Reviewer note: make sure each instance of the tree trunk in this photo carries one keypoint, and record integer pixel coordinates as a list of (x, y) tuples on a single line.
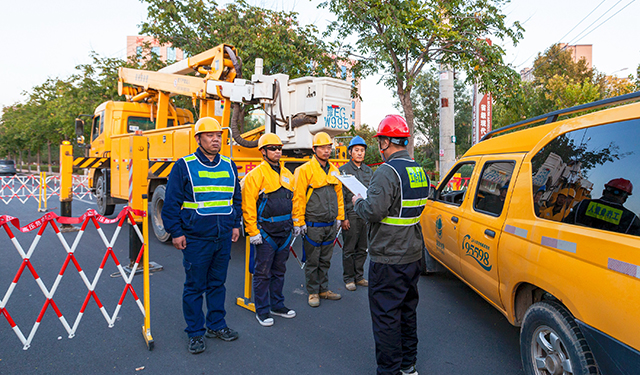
[(407, 106), (38, 161), (29, 162), (49, 156), (20, 160)]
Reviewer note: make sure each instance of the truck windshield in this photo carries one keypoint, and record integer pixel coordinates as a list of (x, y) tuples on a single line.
[(143, 123)]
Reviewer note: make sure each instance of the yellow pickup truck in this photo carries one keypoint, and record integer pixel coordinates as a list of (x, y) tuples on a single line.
[(543, 223)]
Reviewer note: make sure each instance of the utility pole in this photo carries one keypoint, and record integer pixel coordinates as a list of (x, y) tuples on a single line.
[(447, 125)]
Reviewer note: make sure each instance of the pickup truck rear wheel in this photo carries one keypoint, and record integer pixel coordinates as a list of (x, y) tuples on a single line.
[(104, 209), (157, 202), (551, 342)]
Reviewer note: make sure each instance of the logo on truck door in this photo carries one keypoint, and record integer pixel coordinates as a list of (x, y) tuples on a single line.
[(478, 251)]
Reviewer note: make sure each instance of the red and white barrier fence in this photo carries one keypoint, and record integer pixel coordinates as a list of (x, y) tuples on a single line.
[(23, 188), (52, 220)]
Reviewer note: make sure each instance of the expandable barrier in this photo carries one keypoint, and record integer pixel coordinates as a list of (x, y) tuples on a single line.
[(91, 216), (28, 187)]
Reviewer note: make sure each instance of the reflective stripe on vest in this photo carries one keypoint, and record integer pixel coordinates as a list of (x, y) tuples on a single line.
[(414, 189), (213, 186)]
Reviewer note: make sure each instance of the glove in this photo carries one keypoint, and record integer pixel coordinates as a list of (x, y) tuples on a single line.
[(303, 229), (296, 231), (255, 240), (338, 224)]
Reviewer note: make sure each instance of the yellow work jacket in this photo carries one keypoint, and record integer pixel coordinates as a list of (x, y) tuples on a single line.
[(310, 177), (262, 179), (547, 213)]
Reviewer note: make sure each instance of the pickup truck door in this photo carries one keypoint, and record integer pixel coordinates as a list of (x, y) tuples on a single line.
[(443, 212), (482, 223)]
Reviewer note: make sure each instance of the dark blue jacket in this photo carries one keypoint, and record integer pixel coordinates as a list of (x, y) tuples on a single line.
[(179, 222)]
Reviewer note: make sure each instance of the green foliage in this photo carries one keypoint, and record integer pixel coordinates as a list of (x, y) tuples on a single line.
[(557, 61), (400, 37), (49, 111), (275, 36), (559, 83)]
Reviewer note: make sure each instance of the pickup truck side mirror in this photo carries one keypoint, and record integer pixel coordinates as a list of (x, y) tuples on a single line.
[(432, 193)]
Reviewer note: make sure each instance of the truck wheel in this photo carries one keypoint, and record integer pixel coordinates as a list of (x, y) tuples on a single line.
[(104, 209), (551, 342), (157, 202)]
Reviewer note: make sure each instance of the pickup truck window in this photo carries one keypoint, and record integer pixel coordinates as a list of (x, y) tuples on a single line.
[(585, 177), (493, 187), (454, 188)]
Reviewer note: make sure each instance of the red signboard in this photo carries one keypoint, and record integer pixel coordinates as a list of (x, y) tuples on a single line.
[(484, 115)]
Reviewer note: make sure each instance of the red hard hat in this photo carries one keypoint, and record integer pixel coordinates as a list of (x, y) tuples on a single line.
[(620, 184), (393, 126)]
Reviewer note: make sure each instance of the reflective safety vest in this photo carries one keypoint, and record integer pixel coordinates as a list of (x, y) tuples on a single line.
[(414, 191), (213, 187)]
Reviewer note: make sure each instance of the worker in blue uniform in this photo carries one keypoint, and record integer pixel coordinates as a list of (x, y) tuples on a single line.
[(202, 211), (267, 193)]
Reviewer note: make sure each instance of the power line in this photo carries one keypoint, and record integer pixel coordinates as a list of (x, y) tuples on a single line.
[(596, 20), (606, 20), (585, 17), (560, 40), (585, 29)]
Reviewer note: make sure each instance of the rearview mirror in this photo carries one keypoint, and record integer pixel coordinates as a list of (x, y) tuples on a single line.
[(79, 127)]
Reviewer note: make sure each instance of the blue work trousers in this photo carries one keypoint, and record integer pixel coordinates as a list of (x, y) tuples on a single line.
[(393, 299), (268, 275), (205, 264)]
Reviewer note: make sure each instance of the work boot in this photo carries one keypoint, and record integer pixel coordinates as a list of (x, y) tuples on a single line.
[(314, 300), (284, 313), (197, 345), (330, 295), (265, 320), (409, 371), (362, 282), (350, 286), (225, 334)]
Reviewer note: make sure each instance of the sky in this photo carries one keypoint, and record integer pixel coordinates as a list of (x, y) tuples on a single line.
[(47, 39)]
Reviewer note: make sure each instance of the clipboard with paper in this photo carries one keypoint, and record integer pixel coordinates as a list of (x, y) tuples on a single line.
[(352, 183)]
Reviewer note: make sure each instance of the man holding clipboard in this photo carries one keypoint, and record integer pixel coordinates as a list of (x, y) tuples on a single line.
[(395, 200)]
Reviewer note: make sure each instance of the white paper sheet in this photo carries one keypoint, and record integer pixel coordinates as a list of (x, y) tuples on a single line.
[(352, 183)]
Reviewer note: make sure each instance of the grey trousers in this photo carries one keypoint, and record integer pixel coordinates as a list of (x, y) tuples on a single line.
[(318, 258), (354, 253)]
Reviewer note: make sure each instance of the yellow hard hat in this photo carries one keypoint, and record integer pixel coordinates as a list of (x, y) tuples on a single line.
[(207, 124), (572, 193), (322, 139), (564, 192), (269, 139)]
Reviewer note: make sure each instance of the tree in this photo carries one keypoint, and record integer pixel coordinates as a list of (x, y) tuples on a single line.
[(558, 60), (400, 37), (560, 82), (275, 36)]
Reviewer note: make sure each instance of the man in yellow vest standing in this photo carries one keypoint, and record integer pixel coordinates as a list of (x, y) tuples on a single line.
[(202, 211), (267, 193), (318, 211), (395, 200)]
